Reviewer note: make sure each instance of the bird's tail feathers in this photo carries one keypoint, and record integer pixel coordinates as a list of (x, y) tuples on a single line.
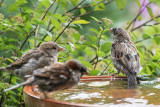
[(28, 82), (132, 80)]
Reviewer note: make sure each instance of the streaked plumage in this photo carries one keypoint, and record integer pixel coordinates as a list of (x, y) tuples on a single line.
[(125, 56), (45, 55), (58, 76)]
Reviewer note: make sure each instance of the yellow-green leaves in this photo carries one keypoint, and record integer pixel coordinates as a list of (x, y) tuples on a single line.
[(121, 4), (80, 22)]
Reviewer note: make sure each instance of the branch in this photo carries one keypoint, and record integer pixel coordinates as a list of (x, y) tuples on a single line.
[(64, 29), (139, 13), (45, 36), (101, 59), (144, 24), (106, 68), (74, 8), (98, 45), (91, 5), (147, 38), (43, 16), (1, 2)]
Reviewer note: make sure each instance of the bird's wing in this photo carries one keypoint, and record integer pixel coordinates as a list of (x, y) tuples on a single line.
[(55, 74), (126, 55), (34, 53)]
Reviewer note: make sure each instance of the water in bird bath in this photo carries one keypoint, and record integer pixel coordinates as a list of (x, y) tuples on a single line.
[(110, 93)]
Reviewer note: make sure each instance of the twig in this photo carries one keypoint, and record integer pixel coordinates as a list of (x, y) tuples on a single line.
[(147, 38), (45, 36), (101, 59), (91, 5), (2, 98), (74, 7), (64, 29), (143, 24), (98, 45), (139, 13), (43, 16), (53, 13), (1, 2), (106, 68)]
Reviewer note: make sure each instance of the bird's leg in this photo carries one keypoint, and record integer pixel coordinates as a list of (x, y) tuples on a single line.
[(45, 95)]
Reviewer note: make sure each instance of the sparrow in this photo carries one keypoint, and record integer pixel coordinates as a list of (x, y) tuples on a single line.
[(125, 56), (57, 76), (34, 59)]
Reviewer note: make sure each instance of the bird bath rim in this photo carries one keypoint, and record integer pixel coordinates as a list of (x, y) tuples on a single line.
[(31, 100)]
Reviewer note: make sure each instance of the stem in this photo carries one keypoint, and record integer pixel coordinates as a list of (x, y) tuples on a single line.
[(106, 67), (147, 38), (1, 2), (144, 24), (139, 13), (64, 29), (43, 16), (74, 8), (98, 45)]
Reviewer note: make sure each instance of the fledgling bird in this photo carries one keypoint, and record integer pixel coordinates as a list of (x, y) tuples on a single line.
[(58, 76), (125, 56), (40, 57)]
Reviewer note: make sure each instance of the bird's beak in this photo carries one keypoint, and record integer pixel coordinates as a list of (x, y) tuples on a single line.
[(111, 30), (61, 49), (86, 73)]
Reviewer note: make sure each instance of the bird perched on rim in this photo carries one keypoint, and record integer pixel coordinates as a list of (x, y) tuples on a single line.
[(125, 56), (45, 55), (57, 76)]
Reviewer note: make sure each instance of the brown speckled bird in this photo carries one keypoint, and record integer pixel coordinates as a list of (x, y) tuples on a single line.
[(45, 55), (58, 76), (125, 56)]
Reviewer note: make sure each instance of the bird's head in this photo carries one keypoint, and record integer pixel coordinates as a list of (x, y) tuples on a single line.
[(75, 65), (119, 34), (51, 48)]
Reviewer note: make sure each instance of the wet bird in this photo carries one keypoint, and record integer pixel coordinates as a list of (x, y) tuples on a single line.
[(57, 76), (125, 56), (45, 55)]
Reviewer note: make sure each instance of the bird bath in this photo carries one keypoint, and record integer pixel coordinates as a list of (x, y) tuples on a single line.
[(95, 91)]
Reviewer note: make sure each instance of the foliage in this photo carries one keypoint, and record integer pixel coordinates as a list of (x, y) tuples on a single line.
[(75, 25)]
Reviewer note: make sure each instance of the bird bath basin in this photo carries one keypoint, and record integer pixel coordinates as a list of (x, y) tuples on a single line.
[(95, 91)]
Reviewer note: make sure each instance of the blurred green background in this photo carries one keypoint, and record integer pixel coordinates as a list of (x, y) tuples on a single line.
[(81, 26)]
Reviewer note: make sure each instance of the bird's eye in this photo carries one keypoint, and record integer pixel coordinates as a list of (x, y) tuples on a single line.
[(54, 48)]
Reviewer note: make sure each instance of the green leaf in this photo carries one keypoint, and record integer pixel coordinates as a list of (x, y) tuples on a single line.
[(56, 24), (95, 18), (77, 36), (138, 3), (106, 47), (121, 4), (83, 11), (100, 7), (150, 12), (80, 22), (13, 8), (94, 30), (145, 36), (100, 53), (94, 72)]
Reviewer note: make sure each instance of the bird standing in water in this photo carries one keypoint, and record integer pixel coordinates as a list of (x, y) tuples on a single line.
[(57, 76), (125, 56), (40, 57)]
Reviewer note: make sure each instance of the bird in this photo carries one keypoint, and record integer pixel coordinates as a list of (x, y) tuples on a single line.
[(57, 76), (36, 58), (125, 56)]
